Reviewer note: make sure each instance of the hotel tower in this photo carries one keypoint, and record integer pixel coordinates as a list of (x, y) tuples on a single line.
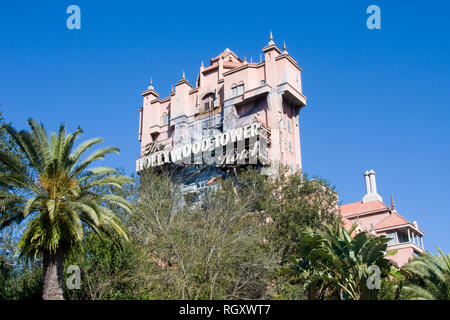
[(240, 113), (243, 105)]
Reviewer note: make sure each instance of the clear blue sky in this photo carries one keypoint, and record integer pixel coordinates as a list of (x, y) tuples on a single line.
[(377, 99)]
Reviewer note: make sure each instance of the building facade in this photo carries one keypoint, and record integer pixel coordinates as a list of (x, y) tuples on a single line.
[(372, 215), (240, 113), (232, 102)]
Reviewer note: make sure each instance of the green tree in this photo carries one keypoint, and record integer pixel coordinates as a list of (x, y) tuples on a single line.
[(55, 192), (108, 272), (212, 249), (290, 204), (7, 143), (334, 265), (293, 202), (4, 141), (19, 280), (428, 277)]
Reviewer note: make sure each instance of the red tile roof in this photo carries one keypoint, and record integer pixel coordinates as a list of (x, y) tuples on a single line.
[(393, 220), (360, 207)]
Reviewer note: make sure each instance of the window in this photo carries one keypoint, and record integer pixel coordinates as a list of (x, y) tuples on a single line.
[(392, 238), (240, 89), (208, 102), (290, 146), (165, 119), (402, 237), (237, 90), (289, 125), (234, 91)]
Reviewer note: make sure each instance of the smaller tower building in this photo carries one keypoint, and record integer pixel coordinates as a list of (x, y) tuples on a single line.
[(373, 216)]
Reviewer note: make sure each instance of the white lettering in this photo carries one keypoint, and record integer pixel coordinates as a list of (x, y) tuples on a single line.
[(196, 147), (157, 156), (236, 134), (187, 150)]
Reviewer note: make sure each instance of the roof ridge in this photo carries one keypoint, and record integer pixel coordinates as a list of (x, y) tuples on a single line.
[(225, 53), (391, 217), (350, 203)]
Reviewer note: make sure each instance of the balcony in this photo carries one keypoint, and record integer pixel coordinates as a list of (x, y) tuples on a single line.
[(155, 129), (405, 237)]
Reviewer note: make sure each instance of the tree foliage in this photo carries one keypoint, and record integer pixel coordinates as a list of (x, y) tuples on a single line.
[(428, 277), (250, 236), (212, 250), (54, 190), (19, 280), (334, 265)]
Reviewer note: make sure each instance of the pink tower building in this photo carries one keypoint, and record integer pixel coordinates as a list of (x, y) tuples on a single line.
[(232, 101), (373, 216), (241, 106)]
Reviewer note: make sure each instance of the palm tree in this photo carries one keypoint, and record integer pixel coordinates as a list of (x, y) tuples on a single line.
[(333, 265), (59, 196), (428, 277)]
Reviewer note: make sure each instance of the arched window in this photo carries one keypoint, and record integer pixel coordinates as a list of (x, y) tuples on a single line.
[(237, 90), (208, 102), (240, 88)]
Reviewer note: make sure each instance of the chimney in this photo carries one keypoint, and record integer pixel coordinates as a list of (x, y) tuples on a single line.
[(366, 177), (371, 188)]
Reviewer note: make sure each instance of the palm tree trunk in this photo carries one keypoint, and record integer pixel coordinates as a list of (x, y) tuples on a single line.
[(53, 275)]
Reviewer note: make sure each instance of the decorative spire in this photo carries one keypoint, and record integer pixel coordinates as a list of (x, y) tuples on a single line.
[(392, 203), (202, 66), (245, 59), (150, 87), (284, 47), (184, 76), (172, 89), (271, 42)]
